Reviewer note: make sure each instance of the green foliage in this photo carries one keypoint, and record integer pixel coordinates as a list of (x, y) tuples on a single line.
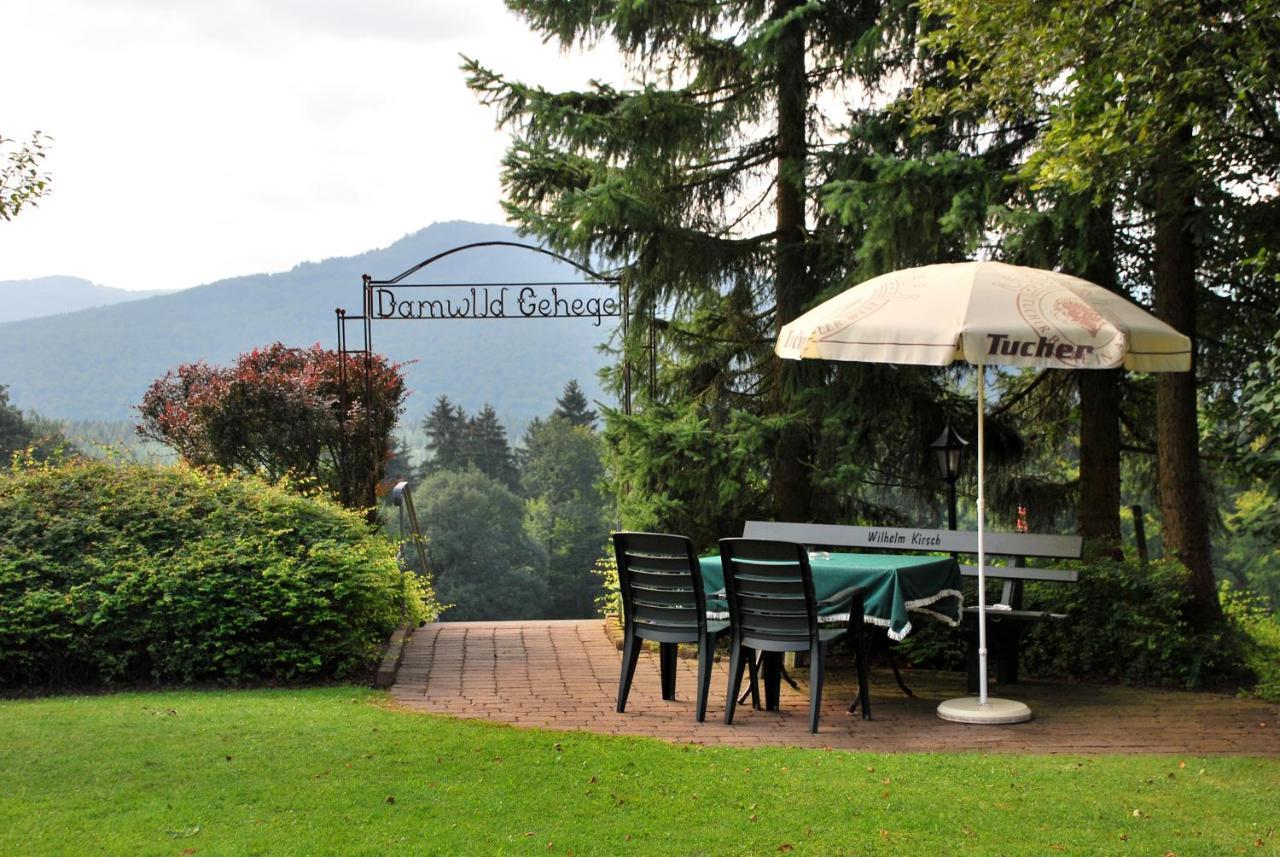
[(566, 511), (1253, 443), (485, 566), (609, 601), (132, 573), (1250, 553), (677, 471), (28, 435), (21, 181), (1258, 625), (1128, 622)]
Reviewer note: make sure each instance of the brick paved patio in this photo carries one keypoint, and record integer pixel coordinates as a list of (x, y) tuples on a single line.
[(564, 675)]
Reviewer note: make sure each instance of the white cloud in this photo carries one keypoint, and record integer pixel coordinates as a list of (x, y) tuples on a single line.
[(197, 140)]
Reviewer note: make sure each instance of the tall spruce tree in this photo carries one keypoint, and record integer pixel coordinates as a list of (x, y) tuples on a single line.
[(445, 427), (488, 450), (572, 405), (713, 182)]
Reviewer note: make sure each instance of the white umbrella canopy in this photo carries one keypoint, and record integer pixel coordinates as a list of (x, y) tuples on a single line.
[(985, 313)]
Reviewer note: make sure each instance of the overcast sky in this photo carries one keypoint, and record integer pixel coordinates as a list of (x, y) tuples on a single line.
[(200, 139)]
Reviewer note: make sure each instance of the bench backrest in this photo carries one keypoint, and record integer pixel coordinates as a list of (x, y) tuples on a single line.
[(1016, 546), (898, 539)]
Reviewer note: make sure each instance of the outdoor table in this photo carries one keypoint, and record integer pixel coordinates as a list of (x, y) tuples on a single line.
[(892, 585)]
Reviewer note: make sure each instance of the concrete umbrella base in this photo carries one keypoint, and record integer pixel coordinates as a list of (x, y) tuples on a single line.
[(966, 709)]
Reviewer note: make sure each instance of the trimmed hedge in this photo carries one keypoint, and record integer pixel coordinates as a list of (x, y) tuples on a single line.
[(124, 573)]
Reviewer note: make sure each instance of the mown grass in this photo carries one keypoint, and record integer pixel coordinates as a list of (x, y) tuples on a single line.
[(338, 772)]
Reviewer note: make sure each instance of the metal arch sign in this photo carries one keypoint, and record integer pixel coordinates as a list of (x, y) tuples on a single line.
[(455, 301), (401, 299)]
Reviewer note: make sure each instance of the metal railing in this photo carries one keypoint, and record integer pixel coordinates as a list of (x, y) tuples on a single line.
[(403, 498)]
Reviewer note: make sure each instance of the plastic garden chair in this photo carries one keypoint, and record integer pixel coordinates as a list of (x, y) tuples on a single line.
[(772, 609), (663, 601)]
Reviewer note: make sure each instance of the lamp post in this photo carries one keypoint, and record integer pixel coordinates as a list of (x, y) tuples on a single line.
[(948, 450)]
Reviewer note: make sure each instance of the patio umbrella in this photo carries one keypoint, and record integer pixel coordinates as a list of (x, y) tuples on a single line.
[(987, 313)]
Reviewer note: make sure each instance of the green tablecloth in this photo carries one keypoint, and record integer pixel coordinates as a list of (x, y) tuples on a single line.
[(892, 585)]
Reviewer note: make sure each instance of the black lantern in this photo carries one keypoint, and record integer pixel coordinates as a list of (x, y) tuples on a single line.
[(948, 449)]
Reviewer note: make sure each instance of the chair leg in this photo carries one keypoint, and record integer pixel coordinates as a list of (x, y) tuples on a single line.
[(667, 666), (816, 675), (735, 680), (706, 655), (630, 654)]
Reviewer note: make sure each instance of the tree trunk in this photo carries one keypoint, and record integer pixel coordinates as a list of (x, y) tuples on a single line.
[(1180, 483), (1098, 514), (791, 476)]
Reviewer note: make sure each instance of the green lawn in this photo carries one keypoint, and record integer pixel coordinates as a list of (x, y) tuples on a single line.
[(335, 771)]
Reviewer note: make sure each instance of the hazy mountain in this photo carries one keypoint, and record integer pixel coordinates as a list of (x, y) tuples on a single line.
[(97, 363), (43, 296)]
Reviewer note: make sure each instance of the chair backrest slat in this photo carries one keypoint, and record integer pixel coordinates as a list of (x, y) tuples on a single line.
[(661, 583)]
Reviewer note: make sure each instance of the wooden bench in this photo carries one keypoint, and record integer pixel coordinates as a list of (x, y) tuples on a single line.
[(1006, 619)]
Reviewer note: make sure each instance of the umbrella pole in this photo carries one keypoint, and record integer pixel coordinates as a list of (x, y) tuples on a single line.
[(983, 709), (982, 553)]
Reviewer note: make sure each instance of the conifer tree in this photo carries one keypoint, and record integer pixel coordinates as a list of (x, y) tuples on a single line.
[(572, 405), (445, 427), (712, 183), (488, 450)]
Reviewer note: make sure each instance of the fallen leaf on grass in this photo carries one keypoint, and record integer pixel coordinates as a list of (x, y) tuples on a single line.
[(786, 848)]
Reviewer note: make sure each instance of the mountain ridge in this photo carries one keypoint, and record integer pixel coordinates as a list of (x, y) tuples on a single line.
[(39, 297)]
